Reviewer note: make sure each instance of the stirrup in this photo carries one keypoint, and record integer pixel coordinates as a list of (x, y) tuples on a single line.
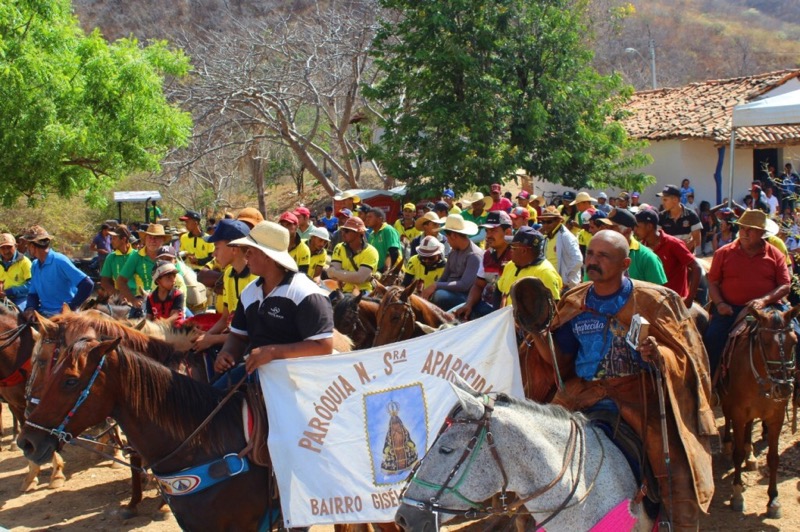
[(665, 526)]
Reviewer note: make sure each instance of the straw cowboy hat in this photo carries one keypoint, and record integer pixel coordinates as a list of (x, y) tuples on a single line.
[(272, 240), (348, 194), (456, 224), (581, 197), (550, 212), (427, 217), (753, 218), (155, 230), (473, 197)]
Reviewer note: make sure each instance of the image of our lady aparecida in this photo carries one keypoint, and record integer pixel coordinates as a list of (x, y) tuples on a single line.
[(638, 331)]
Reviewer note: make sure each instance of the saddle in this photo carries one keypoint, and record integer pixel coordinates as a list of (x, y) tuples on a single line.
[(256, 426), (741, 327)]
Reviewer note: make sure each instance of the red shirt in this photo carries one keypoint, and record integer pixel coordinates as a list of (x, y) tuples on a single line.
[(676, 258), (743, 278)]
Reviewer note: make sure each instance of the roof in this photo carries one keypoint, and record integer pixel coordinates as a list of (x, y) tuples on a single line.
[(703, 111), (137, 196)]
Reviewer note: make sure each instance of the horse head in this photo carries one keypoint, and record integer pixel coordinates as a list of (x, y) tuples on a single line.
[(772, 340), (74, 397), (395, 318)]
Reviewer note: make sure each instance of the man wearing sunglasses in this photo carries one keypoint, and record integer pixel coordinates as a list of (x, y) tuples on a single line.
[(561, 247)]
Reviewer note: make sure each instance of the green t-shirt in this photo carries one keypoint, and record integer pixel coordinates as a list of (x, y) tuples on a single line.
[(113, 264), (384, 239), (645, 265), (139, 267)]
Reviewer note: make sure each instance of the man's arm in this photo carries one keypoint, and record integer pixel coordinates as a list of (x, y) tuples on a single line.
[(696, 239), (262, 355), (338, 273), (122, 286), (231, 352), (85, 288), (694, 282), (108, 285), (473, 298)]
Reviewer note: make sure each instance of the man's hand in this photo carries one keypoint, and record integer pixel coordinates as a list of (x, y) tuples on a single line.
[(758, 304), (203, 342), (463, 313), (191, 259), (137, 302), (649, 349), (724, 309), (224, 362), (260, 356), (427, 293)]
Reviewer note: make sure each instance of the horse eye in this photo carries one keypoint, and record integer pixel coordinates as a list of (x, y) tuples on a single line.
[(70, 383), (445, 450)]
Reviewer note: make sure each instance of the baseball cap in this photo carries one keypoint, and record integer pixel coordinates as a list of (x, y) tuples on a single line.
[(302, 211), (670, 190), (288, 217), (497, 219), (622, 217), (328, 208), (163, 268), (121, 231), (429, 247), (448, 193), (7, 239), (410, 207), (647, 216), (250, 216), (365, 208), (166, 251), (519, 212), (602, 195), (528, 236), (496, 187), (623, 196), (345, 212), (568, 195), (191, 215), (228, 230), (320, 232), (634, 194), (524, 194), (441, 206)]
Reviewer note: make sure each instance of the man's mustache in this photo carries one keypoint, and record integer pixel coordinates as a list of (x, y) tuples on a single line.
[(594, 268)]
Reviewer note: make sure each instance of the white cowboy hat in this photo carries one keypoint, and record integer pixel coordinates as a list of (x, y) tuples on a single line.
[(427, 217), (457, 224), (473, 197), (320, 232), (583, 196), (272, 240), (347, 194)]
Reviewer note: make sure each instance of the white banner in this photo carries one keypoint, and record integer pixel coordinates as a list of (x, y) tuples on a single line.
[(345, 430)]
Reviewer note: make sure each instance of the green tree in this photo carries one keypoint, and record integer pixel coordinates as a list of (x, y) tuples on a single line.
[(78, 113), (473, 89)]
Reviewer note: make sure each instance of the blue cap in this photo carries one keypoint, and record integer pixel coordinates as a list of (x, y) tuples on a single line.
[(448, 193), (228, 230)]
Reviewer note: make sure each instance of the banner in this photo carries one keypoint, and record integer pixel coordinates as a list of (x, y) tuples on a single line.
[(346, 429)]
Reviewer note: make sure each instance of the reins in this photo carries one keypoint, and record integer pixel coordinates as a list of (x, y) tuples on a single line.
[(408, 311)]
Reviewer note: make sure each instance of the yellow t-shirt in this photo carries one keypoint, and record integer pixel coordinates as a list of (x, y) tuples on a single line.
[(195, 245), (16, 274), (550, 251), (534, 216), (781, 245), (543, 271), (409, 234), (368, 257), (232, 286), (415, 267), (320, 259), (583, 237), (301, 254)]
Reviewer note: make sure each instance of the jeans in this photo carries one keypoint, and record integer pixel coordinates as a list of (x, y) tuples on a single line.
[(480, 310), (716, 336), (232, 377), (445, 300)]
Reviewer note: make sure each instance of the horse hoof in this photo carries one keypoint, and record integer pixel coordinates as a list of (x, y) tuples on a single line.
[(163, 513), (774, 512), (29, 485), (751, 465), (56, 483), (128, 513)]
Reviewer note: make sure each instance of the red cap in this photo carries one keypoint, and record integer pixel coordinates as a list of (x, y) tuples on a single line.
[(289, 217), (496, 187), (302, 211), (355, 224)]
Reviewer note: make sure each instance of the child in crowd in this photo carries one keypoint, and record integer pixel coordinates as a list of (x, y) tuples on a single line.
[(166, 301)]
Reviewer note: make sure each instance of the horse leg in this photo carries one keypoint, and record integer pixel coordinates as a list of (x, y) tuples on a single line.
[(30, 481), (57, 477), (727, 442), (116, 437), (773, 506), (132, 508), (164, 511), (751, 463), (739, 437)]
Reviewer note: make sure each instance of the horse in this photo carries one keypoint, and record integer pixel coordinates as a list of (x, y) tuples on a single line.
[(207, 484), (566, 473), (401, 312), (355, 316), (18, 338), (756, 380), (393, 275)]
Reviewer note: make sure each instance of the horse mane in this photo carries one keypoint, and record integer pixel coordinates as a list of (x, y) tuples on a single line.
[(345, 303), (159, 350), (177, 403), (444, 317), (548, 410)]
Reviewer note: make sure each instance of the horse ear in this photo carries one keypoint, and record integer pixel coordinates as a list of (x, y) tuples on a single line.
[(410, 289), (140, 326), (46, 327), (378, 287), (472, 406), (65, 309), (360, 295), (792, 313), (102, 349)]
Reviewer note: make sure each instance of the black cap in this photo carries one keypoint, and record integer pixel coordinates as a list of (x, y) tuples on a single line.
[(364, 208), (191, 215), (229, 230), (622, 217), (568, 195), (528, 236), (441, 206), (670, 190), (165, 250), (648, 216), (497, 219)]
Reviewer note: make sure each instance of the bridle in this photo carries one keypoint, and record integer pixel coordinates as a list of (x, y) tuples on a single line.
[(483, 434), (779, 380), (408, 317)]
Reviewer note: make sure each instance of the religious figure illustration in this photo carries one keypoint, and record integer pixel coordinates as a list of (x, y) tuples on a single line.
[(399, 450)]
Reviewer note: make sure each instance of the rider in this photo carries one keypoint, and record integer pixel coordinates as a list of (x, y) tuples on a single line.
[(318, 240), (353, 260), (428, 264), (384, 238), (55, 279), (298, 248), (198, 251), (15, 276), (746, 271), (139, 266), (120, 243), (527, 260), (281, 315), (602, 370)]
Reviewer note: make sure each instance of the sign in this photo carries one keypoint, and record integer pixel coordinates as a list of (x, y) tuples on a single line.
[(346, 429)]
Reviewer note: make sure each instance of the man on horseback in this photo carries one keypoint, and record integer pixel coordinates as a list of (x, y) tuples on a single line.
[(121, 244), (748, 271), (283, 314), (602, 370), (354, 260), (15, 276)]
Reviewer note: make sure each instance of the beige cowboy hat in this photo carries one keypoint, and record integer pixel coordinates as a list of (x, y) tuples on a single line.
[(272, 240), (550, 212), (753, 218), (348, 194), (155, 230), (37, 233), (427, 217), (473, 197), (581, 197), (457, 224), (7, 239)]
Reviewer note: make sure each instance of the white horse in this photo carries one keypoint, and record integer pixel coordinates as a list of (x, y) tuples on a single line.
[(566, 473)]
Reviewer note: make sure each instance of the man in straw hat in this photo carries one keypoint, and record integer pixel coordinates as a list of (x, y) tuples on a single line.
[(462, 265), (139, 267), (561, 247), (748, 271), (15, 275), (353, 260), (428, 225), (475, 212), (55, 280), (281, 315)]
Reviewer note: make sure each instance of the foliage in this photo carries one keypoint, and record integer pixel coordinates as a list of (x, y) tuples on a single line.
[(78, 113), (474, 89)]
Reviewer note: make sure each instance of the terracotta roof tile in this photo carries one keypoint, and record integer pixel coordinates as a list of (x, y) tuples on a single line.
[(703, 111)]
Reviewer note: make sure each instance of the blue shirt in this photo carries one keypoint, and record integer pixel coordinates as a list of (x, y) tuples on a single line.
[(55, 282), (331, 224), (598, 337)]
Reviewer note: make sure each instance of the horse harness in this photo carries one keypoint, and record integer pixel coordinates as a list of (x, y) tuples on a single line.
[(409, 318), (483, 433)]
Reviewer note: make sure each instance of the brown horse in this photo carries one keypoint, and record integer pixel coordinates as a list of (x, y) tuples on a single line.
[(159, 410), (401, 312), (756, 381), (16, 345), (355, 316)]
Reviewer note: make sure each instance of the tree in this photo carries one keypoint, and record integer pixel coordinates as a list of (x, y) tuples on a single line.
[(78, 113), (473, 89)]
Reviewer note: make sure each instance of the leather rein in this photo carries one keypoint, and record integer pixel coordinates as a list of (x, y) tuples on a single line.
[(779, 373), (408, 312), (483, 434)]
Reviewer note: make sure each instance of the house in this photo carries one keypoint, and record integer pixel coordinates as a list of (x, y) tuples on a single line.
[(689, 132)]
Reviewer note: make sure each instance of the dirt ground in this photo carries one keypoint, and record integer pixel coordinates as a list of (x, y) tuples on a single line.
[(94, 492)]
